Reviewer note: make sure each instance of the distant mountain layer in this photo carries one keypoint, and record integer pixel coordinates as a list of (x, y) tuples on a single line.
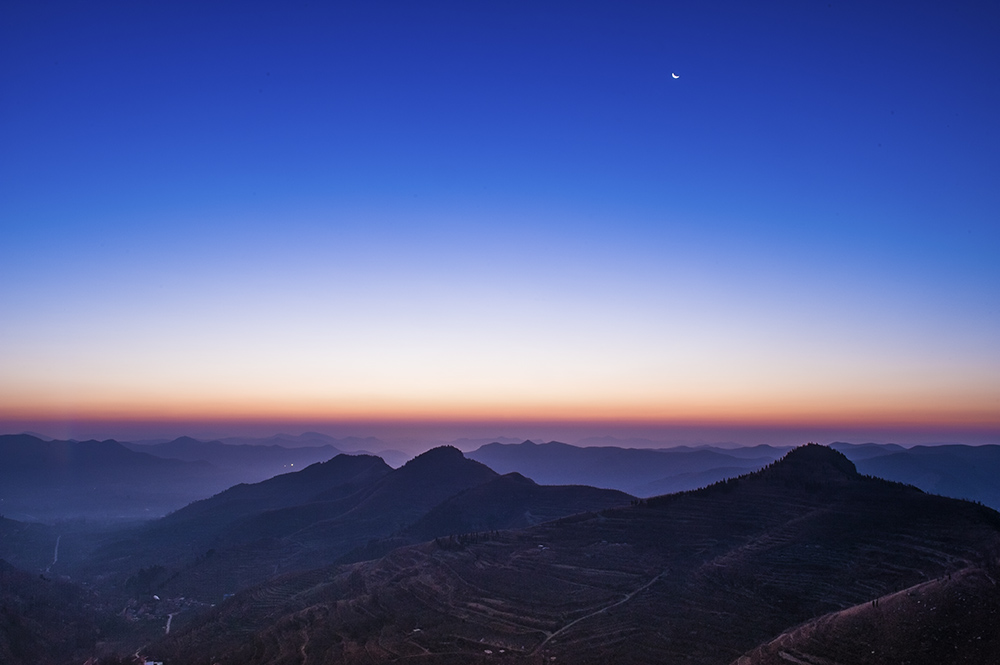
[(241, 462), (510, 502), (47, 480), (962, 472), (639, 471), (805, 561)]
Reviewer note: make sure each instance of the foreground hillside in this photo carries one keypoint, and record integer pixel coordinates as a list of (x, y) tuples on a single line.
[(709, 576), (951, 619), (43, 621)]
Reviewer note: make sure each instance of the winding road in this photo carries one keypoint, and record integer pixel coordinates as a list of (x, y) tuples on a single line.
[(55, 556), (624, 600)]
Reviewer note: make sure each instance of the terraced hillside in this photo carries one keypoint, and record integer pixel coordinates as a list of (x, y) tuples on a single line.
[(953, 619), (706, 576), (44, 621)]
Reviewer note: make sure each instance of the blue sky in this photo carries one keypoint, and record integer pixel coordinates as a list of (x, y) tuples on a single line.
[(407, 210)]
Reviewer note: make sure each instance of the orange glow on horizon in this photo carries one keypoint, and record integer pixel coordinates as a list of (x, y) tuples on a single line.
[(755, 414)]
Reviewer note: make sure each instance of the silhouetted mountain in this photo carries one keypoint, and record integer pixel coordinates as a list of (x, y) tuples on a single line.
[(296, 521), (426, 481), (394, 458), (38, 436), (704, 577), (228, 518), (962, 472), (333, 525), (338, 477), (28, 459), (862, 451), (637, 471), (812, 466), (45, 480)]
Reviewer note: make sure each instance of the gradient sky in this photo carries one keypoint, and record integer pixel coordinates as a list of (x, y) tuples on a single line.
[(511, 212)]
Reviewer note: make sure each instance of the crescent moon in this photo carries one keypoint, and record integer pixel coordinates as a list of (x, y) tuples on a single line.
[(675, 75)]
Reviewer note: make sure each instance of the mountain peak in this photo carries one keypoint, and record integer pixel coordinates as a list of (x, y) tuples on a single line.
[(814, 464), (438, 454), (441, 466)]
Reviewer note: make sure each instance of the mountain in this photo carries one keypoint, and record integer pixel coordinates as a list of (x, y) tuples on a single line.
[(958, 471), (48, 480), (392, 457), (962, 472), (708, 576), (339, 476), (332, 524), (347, 509), (28, 459), (295, 521), (638, 471), (221, 521), (863, 451)]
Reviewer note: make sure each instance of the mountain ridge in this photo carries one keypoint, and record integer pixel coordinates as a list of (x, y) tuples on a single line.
[(704, 576)]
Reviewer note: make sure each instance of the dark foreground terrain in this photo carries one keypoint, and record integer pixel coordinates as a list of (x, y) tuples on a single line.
[(805, 561), (445, 561)]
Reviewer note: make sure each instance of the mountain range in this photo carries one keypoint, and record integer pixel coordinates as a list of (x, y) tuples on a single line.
[(51, 480), (959, 471), (803, 561), (963, 472), (349, 508), (241, 462), (47, 480), (446, 560)]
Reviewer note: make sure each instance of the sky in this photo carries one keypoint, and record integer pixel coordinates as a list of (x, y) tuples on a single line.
[(630, 217)]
